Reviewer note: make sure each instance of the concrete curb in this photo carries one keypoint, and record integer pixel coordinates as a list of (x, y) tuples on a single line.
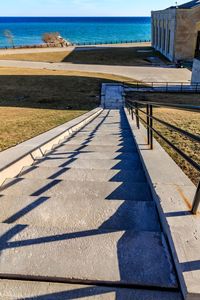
[(173, 193), (14, 159)]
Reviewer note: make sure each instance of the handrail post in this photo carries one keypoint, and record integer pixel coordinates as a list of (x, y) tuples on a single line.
[(148, 124), (132, 113), (196, 200), (151, 126), (137, 116)]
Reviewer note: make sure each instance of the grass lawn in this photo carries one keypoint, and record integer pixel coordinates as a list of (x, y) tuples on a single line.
[(34, 101), (127, 56), (176, 98), (188, 121), (40, 56), (20, 124)]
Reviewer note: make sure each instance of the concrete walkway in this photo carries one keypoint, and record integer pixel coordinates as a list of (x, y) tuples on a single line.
[(85, 214), (149, 74)]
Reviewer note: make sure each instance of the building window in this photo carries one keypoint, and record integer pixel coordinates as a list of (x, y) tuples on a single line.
[(153, 35), (164, 38), (197, 50), (156, 36), (160, 37), (168, 41)]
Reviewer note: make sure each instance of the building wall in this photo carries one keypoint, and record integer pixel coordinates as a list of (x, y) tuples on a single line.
[(163, 32), (177, 32), (188, 25)]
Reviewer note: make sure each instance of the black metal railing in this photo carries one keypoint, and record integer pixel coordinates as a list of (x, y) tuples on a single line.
[(80, 44), (110, 42), (136, 108), (168, 87)]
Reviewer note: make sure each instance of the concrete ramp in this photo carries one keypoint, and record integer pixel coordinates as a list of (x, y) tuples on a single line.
[(84, 214)]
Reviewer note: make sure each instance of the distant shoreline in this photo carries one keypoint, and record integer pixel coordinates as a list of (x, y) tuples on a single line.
[(72, 48), (48, 46)]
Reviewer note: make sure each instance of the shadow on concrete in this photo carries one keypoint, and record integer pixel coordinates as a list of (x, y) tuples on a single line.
[(26, 210), (191, 266), (79, 293)]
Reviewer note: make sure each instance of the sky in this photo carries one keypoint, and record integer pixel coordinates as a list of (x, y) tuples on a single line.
[(82, 7)]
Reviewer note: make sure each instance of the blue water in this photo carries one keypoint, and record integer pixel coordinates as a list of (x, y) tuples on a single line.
[(28, 31)]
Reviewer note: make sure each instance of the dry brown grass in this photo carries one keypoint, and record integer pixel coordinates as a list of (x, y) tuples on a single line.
[(127, 56), (176, 98), (51, 89), (40, 56), (34, 101), (188, 121), (20, 124)]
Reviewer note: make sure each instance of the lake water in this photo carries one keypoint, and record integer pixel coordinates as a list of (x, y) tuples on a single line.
[(28, 31)]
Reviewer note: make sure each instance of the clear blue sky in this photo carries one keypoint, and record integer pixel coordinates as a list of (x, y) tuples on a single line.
[(82, 7)]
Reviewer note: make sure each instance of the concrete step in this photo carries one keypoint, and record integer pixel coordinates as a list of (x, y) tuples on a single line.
[(104, 134), (100, 148), (92, 155), (76, 189), (83, 174), (74, 213), (18, 289), (95, 256), (105, 128), (114, 105), (100, 140), (102, 164)]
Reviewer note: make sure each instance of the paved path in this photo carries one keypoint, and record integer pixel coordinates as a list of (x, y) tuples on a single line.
[(85, 213), (149, 74)]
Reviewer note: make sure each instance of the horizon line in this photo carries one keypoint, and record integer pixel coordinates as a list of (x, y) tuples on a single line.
[(75, 16)]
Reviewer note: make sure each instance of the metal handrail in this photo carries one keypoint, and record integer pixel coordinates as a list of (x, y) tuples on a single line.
[(163, 86), (134, 108)]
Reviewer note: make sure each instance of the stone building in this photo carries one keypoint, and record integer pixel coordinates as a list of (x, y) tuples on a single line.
[(176, 31)]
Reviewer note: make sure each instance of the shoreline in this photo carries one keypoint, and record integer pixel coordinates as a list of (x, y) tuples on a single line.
[(4, 51), (53, 45)]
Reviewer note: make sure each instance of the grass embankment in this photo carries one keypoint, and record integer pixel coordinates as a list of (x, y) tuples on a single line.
[(20, 124), (125, 56), (34, 101), (188, 121), (40, 56)]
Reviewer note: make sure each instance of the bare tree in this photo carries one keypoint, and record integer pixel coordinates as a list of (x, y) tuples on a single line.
[(9, 36), (51, 37)]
